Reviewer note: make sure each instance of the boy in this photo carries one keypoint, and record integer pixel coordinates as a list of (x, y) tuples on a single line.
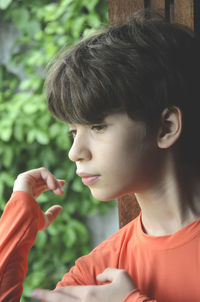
[(130, 96)]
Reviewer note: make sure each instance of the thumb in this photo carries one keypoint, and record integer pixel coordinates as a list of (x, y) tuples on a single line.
[(110, 274), (50, 215)]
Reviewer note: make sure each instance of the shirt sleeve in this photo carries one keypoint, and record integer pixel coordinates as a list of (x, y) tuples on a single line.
[(86, 269), (21, 220), (136, 296)]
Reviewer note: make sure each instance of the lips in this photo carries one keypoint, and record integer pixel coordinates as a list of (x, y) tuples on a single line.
[(88, 179)]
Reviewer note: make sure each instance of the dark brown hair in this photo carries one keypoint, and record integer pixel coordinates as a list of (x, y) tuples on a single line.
[(140, 67)]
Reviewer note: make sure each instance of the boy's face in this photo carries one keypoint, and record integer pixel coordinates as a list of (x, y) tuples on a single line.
[(115, 157)]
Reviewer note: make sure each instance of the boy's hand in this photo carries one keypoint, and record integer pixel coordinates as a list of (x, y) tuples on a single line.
[(116, 291), (35, 182)]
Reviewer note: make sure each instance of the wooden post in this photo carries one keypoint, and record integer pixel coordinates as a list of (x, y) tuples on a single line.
[(181, 11), (120, 10), (184, 12)]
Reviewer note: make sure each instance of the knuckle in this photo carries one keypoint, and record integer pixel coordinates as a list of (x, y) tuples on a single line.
[(19, 176), (43, 168)]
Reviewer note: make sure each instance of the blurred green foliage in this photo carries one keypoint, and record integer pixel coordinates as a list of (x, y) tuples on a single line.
[(30, 137)]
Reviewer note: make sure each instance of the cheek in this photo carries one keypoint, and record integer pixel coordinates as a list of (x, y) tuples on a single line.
[(120, 175), (136, 166), (120, 158), (132, 154), (119, 166)]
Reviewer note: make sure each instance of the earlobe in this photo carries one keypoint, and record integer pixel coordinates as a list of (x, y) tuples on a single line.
[(170, 127)]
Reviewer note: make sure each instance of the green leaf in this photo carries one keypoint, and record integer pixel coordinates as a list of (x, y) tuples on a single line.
[(19, 132), (30, 108), (21, 18), (5, 134), (77, 26), (66, 3), (8, 156), (31, 136), (33, 28), (69, 255), (94, 21), (6, 178), (69, 236), (90, 4), (77, 185), (41, 239), (54, 130), (5, 3), (81, 230), (42, 137)]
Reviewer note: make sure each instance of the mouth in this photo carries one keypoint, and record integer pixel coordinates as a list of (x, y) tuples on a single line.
[(88, 179)]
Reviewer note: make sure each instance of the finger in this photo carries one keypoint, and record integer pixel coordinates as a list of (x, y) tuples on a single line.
[(61, 181), (44, 177), (52, 296), (42, 187), (49, 178), (51, 214), (39, 190), (70, 291), (58, 191), (110, 274), (52, 183), (78, 292)]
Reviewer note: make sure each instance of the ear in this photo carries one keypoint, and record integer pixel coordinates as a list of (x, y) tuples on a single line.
[(170, 127)]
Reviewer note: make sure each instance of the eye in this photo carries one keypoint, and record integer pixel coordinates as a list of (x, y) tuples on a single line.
[(72, 133), (98, 128)]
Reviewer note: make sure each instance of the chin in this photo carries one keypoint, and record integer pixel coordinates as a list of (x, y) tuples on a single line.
[(102, 196)]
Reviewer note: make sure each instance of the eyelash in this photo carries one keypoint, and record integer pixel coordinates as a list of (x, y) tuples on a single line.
[(97, 128), (72, 133)]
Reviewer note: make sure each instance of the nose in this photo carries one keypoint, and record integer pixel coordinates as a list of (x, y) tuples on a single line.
[(80, 149)]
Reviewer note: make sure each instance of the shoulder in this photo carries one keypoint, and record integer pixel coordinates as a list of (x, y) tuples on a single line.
[(116, 241), (106, 254)]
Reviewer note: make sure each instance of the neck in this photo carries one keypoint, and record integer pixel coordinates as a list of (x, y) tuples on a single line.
[(172, 202)]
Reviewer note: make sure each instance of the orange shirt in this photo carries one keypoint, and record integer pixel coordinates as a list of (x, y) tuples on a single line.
[(19, 224), (164, 268)]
